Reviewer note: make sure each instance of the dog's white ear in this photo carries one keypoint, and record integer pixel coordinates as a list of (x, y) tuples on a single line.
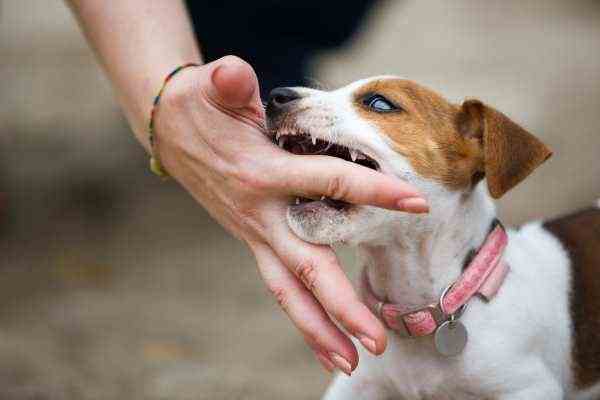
[(510, 153)]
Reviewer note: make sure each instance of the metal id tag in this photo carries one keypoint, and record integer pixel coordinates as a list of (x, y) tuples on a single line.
[(451, 338)]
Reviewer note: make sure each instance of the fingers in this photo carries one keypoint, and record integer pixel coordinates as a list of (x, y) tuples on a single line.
[(331, 346), (318, 269), (315, 176)]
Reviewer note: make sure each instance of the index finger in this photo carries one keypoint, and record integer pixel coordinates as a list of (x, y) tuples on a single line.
[(316, 176)]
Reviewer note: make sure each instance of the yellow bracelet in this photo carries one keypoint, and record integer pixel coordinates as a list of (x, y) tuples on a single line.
[(155, 164)]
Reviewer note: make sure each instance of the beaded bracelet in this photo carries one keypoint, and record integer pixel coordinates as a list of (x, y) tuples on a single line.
[(155, 164)]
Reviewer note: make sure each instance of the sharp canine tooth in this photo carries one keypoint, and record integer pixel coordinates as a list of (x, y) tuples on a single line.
[(353, 155), (322, 197), (297, 200), (278, 135), (314, 140), (282, 142)]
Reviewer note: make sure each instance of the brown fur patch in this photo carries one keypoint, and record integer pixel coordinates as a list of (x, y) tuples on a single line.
[(510, 152), (424, 132), (456, 146), (580, 234)]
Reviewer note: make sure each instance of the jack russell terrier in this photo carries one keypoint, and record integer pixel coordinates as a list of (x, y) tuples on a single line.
[(474, 311)]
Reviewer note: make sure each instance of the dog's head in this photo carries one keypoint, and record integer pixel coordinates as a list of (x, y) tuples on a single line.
[(402, 129)]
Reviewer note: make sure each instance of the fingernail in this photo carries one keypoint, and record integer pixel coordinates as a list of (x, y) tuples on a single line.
[(325, 361), (416, 205), (341, 363), (368, 343)]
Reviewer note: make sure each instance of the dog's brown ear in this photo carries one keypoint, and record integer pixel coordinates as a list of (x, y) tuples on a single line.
[(510, 153)]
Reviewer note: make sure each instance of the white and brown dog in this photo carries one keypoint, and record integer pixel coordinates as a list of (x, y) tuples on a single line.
[(538, 338)]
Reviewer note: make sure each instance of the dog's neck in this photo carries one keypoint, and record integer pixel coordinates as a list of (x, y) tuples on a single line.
[(422, 255)]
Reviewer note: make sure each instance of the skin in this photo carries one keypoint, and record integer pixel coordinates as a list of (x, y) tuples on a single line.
[(209, 137)]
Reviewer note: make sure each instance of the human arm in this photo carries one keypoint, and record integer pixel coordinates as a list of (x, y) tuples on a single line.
[(209, 138)]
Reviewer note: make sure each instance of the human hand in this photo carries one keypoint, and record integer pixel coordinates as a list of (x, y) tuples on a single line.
[(209, 137)]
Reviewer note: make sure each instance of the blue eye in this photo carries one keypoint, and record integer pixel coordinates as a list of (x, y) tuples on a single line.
[(379, 103)]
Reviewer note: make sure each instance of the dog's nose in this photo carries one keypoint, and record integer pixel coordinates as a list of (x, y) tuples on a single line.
[(281, 97)]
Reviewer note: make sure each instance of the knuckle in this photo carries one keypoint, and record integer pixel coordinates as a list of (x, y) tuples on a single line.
[(307, 273), (337, 188), (251, 178), (177, 96), (281, 296), (249, 217), (253, 221)]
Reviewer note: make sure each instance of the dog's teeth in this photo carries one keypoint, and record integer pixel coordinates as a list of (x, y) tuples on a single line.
[(314, 140), (282, 142), (277, 135), (322, 198), (353, 155), (297, 200)]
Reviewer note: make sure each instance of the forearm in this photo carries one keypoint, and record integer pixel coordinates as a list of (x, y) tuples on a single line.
[(138, 42)]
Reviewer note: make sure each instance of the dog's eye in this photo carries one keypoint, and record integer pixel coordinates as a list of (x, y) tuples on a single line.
[(379, 103)]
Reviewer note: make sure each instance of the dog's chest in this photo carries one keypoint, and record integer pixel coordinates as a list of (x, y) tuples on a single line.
[(531, 307), (417, 371)]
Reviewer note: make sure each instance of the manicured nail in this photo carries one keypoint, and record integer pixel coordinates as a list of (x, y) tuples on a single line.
[(325, 361), (341, 363), (368, 343), (416, 205)]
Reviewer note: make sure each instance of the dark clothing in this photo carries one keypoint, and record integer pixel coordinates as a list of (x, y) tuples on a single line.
[(278, 38)]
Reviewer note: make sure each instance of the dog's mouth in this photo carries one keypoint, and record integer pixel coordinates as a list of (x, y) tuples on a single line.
[(303, 143)]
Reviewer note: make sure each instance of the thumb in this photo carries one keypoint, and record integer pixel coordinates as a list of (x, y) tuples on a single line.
[(234, 86)]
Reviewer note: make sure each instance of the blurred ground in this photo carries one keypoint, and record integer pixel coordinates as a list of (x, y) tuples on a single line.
[(115, 285)]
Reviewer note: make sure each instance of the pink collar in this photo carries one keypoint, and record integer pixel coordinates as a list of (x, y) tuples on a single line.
[(483, 276)]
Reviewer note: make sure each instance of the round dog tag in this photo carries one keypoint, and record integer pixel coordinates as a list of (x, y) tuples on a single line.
[(451, 338)]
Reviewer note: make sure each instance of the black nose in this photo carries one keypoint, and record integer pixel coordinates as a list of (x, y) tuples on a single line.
[(282, 96)]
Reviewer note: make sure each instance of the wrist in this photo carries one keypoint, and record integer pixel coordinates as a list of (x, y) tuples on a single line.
[(155, 162), (139, 104)]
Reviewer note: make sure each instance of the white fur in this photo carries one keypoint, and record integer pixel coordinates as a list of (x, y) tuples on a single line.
[(519, 343)]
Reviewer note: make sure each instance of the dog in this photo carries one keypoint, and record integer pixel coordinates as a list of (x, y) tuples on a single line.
[(531, 327)]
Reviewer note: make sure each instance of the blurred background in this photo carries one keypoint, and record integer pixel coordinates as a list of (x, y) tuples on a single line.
[(115, 285)]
